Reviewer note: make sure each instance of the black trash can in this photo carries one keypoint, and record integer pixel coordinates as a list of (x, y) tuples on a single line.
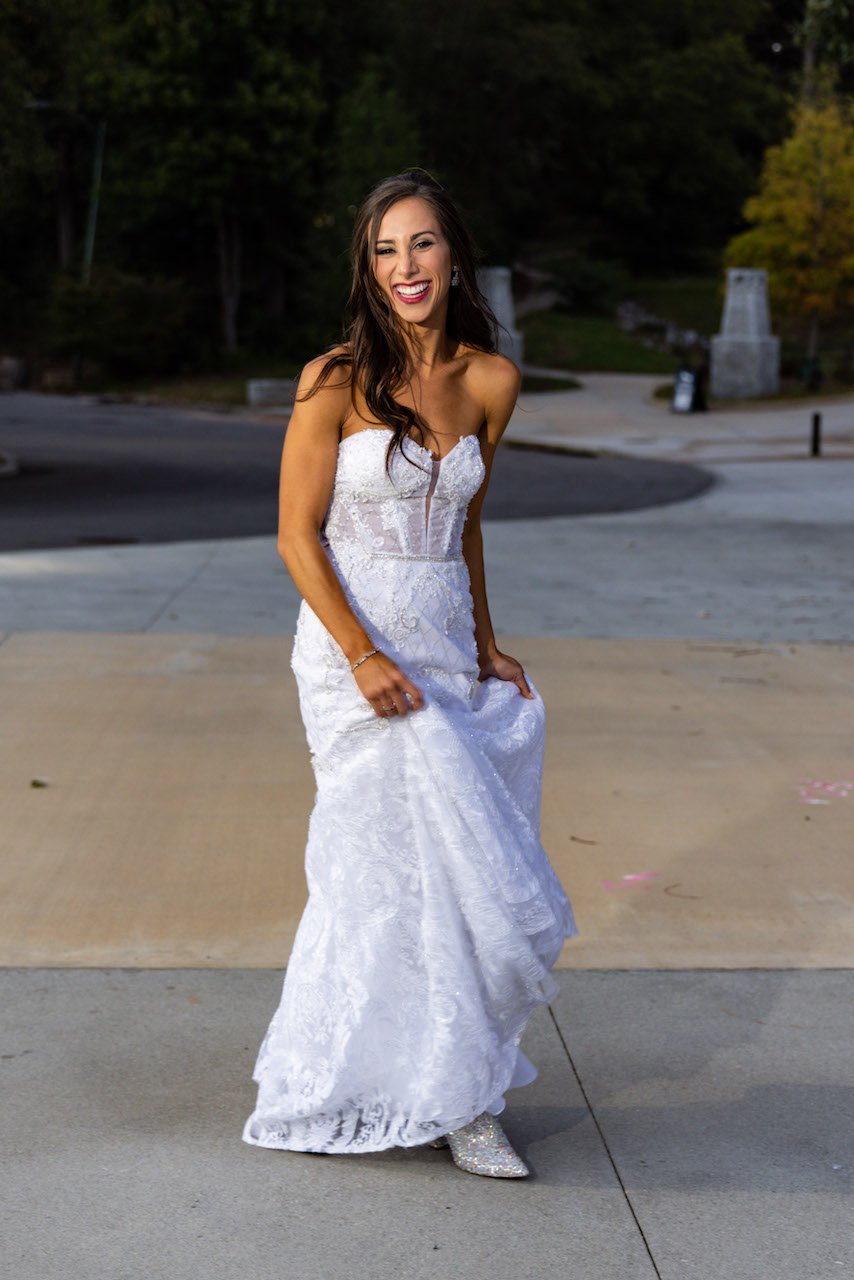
[(689, 389)]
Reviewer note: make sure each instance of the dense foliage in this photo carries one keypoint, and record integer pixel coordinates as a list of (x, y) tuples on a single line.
[(802, 217), (241, 134)]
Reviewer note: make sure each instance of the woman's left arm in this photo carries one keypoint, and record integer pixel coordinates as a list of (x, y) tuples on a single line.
[(499, 381)]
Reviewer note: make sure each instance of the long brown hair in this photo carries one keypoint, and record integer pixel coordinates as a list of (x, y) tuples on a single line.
[(376, 351)]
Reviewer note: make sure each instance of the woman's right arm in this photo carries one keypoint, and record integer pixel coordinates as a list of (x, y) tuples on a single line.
[(309, 459)]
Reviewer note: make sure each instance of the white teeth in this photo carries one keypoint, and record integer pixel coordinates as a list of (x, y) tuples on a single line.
[(412, 290)]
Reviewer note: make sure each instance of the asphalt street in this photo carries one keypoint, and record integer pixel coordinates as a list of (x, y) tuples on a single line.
[(96, 474)]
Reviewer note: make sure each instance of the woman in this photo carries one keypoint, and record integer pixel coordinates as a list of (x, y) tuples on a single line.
[(433, 914)]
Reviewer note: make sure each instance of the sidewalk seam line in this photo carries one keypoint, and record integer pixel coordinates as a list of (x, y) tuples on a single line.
[(604, 1141), (188, 582)]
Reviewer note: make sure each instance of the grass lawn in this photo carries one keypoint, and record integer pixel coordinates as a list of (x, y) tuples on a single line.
[(692, 302), (595, 343)]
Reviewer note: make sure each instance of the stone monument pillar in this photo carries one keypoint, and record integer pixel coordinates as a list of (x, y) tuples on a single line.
[(494, 283), (745, 358)]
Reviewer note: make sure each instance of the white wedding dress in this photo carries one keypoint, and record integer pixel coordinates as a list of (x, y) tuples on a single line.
[(433, 914)]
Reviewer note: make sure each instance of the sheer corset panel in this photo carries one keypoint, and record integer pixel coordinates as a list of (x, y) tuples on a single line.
[(414, 509)]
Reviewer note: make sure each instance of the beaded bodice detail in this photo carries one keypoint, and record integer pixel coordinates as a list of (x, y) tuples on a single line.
[(414, 510)]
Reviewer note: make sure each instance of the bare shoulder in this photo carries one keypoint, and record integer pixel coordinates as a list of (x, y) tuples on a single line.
[(494, 381), (323, 395), (496, 367), (492, 376), (329, 372)]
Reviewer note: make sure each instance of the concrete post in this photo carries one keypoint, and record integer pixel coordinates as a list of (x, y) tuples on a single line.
[(745, 357), (494, 283)]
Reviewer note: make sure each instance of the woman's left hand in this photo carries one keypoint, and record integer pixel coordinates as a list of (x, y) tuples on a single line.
[(501, 666)]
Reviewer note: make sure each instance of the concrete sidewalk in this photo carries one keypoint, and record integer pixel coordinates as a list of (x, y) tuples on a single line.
[(618, 412), (697, 800), (764, 555), (691, 1118), (687, 1126)]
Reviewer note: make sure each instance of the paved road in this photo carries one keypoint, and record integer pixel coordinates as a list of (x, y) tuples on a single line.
[(761, 555), (105, 474)]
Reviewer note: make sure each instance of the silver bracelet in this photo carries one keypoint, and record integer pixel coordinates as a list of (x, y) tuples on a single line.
[(359, 661)]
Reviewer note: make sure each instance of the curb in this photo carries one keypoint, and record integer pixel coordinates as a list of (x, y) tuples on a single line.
[(555, 446)]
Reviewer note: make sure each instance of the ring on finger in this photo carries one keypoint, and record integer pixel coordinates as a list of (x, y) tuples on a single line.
[(391, 708)]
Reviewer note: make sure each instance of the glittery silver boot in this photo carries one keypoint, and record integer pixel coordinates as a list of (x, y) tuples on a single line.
[(482, 1147)]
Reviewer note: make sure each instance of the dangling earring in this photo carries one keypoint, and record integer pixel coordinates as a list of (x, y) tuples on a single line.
[(455, 276)]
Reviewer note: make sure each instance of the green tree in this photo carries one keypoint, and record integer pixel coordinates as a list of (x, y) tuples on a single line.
[(636, 130), (490, 84), (666, 141), (241, 132), (827, 38), (803, 216), (20, 135), (54, 72), (62, 50), (217, 112), (371, 135)]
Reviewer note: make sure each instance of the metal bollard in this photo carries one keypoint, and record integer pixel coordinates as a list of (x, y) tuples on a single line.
[(815, 448)]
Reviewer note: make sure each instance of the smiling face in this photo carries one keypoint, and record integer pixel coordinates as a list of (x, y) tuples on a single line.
[(412, 262)]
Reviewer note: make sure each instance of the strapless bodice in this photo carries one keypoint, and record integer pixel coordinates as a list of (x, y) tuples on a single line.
[(415, 509)]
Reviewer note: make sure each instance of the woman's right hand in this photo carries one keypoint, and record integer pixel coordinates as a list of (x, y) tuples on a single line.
[(386, 688)]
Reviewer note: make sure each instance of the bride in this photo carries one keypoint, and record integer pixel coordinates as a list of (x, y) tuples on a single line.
[(434, 915)]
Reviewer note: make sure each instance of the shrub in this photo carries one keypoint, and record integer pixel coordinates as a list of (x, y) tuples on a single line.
[(590, 286), (125, 323)]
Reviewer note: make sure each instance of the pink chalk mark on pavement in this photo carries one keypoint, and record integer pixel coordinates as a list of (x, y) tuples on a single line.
[(636, 881), (818, 791)]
